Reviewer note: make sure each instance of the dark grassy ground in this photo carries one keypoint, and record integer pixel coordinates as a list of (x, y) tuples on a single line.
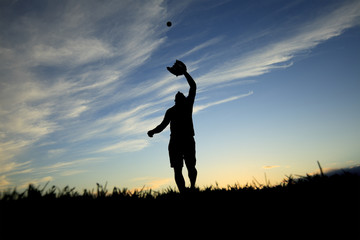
[(316, 203)]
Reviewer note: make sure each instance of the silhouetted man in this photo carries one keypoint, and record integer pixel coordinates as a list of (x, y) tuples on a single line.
[(182, 143)]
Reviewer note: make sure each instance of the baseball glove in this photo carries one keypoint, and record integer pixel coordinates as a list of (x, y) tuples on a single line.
[(179, 68)]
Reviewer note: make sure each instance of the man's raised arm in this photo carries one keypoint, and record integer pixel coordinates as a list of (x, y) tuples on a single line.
[(192, 84), (179, 68)]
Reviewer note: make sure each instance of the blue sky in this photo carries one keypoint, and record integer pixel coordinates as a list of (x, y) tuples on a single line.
[(83, 81)]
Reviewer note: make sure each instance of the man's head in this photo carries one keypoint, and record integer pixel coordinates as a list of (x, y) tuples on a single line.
[(179, 98)]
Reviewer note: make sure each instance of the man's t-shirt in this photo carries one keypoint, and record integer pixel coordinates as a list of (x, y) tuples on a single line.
[(180, 117), (181, 123)]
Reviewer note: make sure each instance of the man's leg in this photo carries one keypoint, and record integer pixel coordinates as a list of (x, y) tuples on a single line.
[(190, 161), (176, 162), (192, 172), (179, 179)]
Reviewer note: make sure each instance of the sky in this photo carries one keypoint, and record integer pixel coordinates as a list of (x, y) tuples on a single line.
[(81, 83)]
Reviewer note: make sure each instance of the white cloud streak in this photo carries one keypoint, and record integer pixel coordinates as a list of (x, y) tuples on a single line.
[(280, 54), (57, 66), (36, 181), (151, 182), (203, 45), (72, 52), (270, 166), (126, 146), (29, 104), (198, 108)]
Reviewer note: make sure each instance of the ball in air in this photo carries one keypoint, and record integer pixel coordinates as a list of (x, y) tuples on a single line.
[(168, 24)]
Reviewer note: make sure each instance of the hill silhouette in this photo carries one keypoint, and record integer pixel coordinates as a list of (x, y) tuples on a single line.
[(317, 202)]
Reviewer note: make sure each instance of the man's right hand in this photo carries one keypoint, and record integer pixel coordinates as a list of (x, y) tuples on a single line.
[(150, 133)]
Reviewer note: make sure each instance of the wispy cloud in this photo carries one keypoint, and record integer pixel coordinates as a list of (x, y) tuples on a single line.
[(151, 182), (12, 166), (126, 146), (3, 182), (198, 108), (59, 166), (35, 103), (203, 45), (12, 170), (270, 166), (72, 172), (36, 181), (71, 52), (281, 53)]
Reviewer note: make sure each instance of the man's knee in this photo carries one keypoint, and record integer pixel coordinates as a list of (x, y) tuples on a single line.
[(177, 170), (192, 170)]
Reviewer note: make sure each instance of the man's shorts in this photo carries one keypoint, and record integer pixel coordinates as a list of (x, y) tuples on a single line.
[(180, 150)]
